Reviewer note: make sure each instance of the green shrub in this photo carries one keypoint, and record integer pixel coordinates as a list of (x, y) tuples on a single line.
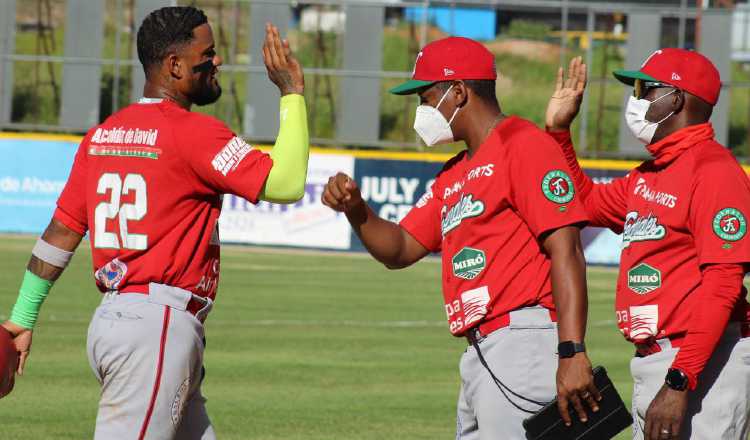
[(530, 30)]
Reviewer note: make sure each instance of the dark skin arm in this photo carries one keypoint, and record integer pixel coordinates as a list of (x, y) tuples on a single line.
[(575, 381), (59, 236), (395, 248), (386, 241)]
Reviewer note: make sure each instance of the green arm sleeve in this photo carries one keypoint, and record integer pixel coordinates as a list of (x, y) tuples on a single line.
[(33, 292), (286, 180)]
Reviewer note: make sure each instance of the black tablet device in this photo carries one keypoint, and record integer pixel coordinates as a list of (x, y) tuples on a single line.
[(611, 419)]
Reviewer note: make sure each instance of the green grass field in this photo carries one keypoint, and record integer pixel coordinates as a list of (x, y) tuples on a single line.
[(300, 346)]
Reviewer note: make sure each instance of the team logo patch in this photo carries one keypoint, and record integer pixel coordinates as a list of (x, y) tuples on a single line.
[(111, 274), (465, 208), (643, 279), (640, 228), (558, 187), (730, 224), (468, 263)]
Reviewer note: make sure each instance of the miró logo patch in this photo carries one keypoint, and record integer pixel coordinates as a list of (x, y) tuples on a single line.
[(643, 279), (468, 263)]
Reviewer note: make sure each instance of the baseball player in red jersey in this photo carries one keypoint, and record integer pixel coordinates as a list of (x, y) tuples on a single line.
[(147, 186), (505, 215), (682, 216)]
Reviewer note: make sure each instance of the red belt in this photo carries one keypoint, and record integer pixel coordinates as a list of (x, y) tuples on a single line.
[(486, 327)]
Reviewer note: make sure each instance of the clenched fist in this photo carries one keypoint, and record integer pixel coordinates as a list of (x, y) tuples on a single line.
[(342, 194)]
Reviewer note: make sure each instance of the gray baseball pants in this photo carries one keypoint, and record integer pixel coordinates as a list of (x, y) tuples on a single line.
[(147, 353), (719, 407), (524, 357)]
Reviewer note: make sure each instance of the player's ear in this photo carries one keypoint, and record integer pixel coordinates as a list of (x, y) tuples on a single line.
[(461, 93), (678, 101), (174, 65)]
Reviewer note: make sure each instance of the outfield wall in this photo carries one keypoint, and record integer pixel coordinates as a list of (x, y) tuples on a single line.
[(35, 167)]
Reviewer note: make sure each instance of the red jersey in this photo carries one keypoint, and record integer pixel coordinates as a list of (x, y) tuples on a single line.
[(676, 214), (147, 185), (486, 214)]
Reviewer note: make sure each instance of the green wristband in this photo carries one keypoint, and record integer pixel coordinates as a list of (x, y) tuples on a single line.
[(33, 292)]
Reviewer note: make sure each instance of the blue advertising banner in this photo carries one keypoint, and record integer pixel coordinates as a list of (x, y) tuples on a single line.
[(392, 187), (32, 176)]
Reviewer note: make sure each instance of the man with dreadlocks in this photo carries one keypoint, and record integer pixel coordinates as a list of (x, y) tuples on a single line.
[(146, 185)]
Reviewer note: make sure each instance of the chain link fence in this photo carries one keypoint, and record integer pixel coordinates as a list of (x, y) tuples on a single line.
[(68, 64)]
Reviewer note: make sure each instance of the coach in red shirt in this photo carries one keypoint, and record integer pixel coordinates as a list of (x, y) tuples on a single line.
[(682, 216), (505, 215)]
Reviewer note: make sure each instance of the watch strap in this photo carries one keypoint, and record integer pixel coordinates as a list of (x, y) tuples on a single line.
[(568, 349)]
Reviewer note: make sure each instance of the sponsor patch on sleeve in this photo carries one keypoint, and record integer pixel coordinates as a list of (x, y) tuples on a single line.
[(558, 187), (231, 155), (729, 224)]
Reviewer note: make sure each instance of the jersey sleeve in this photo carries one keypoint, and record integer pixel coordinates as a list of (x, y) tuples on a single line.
[(71, 205), (720, 290), (719, 206), (542, 190), (423, 221), (224, 162), (605, 203)]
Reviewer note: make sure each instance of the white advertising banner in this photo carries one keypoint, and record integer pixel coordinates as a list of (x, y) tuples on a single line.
[(307, 223)]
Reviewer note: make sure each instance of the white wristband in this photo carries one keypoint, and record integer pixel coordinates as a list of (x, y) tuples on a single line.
[(51, 254)]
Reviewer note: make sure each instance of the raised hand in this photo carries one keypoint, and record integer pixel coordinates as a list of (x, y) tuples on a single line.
[(566, 100), (283, 68)]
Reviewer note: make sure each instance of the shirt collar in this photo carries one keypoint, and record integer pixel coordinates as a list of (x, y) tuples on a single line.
[(150, 100)]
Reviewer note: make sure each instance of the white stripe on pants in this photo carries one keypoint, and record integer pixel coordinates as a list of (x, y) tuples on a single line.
[(719, 407), (124, 341)]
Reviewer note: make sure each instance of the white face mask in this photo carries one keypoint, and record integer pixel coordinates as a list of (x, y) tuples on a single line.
[(432, 126), (635, 117)]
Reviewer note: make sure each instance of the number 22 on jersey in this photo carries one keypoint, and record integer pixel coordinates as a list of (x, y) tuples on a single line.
[(125, 212)]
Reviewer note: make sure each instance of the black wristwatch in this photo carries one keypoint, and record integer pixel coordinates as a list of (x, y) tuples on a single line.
[(676, 379), (568, 349)]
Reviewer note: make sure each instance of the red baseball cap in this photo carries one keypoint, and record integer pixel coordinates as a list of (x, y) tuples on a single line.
[(448, 59), (684, 69)]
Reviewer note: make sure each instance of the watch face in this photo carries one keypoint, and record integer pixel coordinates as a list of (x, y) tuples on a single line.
[(676, 379), (569, 349), (566, 349)]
